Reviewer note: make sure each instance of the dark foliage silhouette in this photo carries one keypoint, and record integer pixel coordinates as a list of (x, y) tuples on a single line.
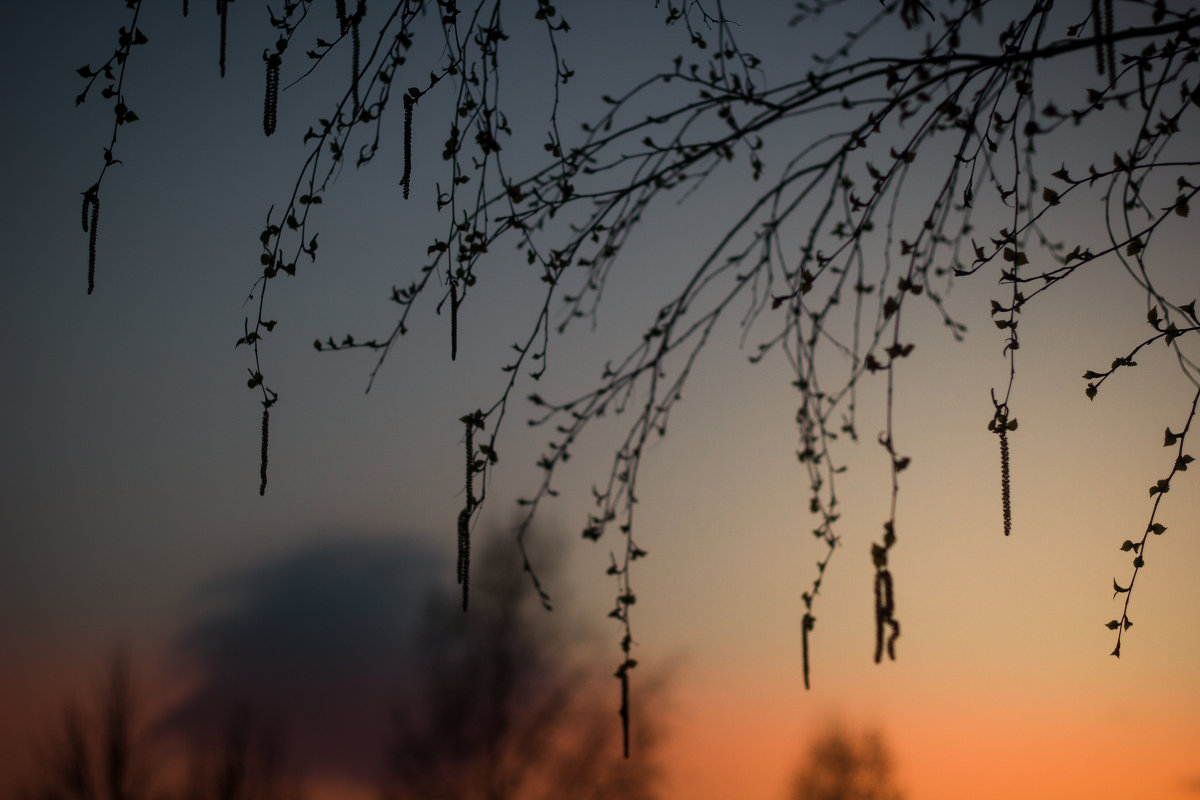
[(841, 765)]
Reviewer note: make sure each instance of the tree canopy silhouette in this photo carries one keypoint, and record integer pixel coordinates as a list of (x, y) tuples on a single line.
[(95, 751), (843, 766), (503, 704), (500, 703), (907, 153)]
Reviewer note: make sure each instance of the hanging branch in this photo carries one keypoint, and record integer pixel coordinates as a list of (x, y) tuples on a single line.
[(112, 71), (982, 99), (1160, 488), (832, 219)]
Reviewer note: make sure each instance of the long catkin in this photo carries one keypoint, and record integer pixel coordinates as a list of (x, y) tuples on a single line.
[(262, 464)]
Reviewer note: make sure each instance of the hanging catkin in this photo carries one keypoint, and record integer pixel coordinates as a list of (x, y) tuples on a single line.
[(805, 626), (185, 7), (464, 521), (1108, 35), (453, 319), (1005, 491), (262, 464), (343, 20), (354, 63), (880, 616), (91, 202), (271, 100), (406, 179), (623, 676), (885, 610), (223, 10), (1098, 33)]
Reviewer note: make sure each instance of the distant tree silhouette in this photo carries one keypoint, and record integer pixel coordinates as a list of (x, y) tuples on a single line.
[(247, 763), (96, 752), (103, 751), (902, 155), (501, 706), (843, 766)]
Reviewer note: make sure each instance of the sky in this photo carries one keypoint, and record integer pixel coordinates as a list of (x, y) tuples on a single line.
[(130, 512)]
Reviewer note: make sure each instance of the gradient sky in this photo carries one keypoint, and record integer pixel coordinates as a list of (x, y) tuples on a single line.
[(129, 478)]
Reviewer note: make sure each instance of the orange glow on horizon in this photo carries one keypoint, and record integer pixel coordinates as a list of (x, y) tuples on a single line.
[(947, 738), (943, 744)]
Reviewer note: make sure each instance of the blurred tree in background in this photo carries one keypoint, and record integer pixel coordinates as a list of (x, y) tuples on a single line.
[(843, 766), (503, 707), (105, 750), (505, 703), (248, 761), (96, 753)]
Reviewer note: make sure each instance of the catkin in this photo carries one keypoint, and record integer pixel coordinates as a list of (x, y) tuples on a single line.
[(453, 320), (885, 610), (623, 674), (262, 464), (878, 618), (805, 627), (343, 21), (1005, 490), (470, 458), (92, 198), (185, 7), (406, 179), (464, 555), (464, 520), (271, 100), (223, 10), (1108, 34), (354, 64), (893, 636), (1098, 32)]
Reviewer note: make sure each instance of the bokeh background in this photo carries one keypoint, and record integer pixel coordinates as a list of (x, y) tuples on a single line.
[(130, 514)]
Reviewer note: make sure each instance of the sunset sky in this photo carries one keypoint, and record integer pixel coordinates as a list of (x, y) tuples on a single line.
[(129, 506)]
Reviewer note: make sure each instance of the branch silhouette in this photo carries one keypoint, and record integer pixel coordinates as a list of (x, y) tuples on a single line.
[(904, 159)]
